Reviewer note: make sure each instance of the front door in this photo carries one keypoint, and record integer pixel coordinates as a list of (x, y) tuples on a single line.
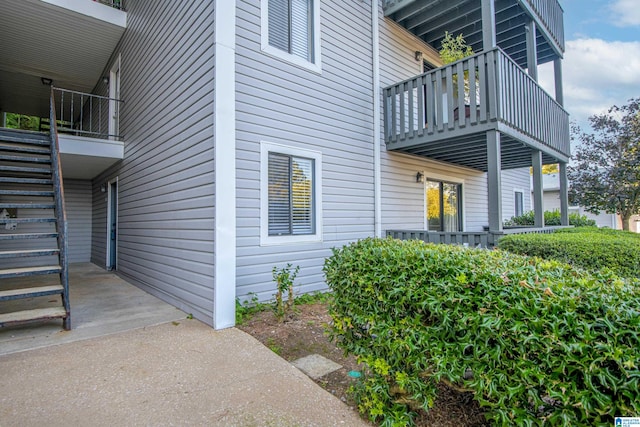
[(112, 226)]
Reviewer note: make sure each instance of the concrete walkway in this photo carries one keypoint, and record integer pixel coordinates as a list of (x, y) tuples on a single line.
[(177, 373)]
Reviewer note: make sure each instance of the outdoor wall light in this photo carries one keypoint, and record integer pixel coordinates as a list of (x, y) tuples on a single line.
[(103, 188), (46, 81), (418, 55), (105, 80), (419, 177)]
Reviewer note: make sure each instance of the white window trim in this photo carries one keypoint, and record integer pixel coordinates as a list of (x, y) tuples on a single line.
[(449, 179), (316, 156), (316, 65)]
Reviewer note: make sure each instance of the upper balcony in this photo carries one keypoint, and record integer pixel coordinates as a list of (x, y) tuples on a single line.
[(69, 42), (445, 114), (429, 19)]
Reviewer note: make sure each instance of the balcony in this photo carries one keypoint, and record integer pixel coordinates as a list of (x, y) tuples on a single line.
[(445, 114), (69, 42), (429, 19)]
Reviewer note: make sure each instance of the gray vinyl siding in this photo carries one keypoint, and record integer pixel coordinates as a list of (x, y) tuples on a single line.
[(165, 182), (403, 199), (78, 201), (330, 113), (515, 180)]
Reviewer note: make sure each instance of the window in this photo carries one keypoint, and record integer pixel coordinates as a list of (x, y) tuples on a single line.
[(519, 203), (290, 195), (290, 31), (444, 206)]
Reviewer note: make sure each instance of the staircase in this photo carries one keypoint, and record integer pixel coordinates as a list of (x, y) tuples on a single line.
[(33, 271)]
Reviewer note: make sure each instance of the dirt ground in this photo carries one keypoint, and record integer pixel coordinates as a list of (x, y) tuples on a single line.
[(303, 334)]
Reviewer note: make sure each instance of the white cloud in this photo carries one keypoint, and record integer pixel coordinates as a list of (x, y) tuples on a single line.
[(596, 75), (626, 13)]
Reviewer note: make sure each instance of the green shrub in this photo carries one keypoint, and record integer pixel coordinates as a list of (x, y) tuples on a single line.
[(590, 248), (550, 218), (535, 341)]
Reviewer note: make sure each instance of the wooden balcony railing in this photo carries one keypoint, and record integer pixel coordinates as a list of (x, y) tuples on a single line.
[(481, 92), (551, 16)]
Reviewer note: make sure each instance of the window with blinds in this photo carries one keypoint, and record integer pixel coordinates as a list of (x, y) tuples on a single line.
[(291, 27), (290, 195)]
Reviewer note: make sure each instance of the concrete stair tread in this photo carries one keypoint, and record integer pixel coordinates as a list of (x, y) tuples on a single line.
[(21, 236), (28, 253), (20, 180), (24, 159), (14, 147), (22, 169), (27, 205), (29, 271), (25, 220), (36, 314), (30, 292), (26, 193)]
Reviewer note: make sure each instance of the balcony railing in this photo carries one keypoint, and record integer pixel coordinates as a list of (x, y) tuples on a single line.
[(484, 91), (483, 239), (116, 4), (85, 114), (551, 16)]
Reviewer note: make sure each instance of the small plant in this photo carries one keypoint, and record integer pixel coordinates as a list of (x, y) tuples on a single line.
[(248, 308), (284, 279)]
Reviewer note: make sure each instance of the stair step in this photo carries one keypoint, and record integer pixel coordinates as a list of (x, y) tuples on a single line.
[(28, 253), (23, 236), (24, 169), (24, 159), (27, 205), (40, 291), (9, 273), (25, 220), (30, 315), (26, 193), (24, 137), (23, 149), (14, 180)]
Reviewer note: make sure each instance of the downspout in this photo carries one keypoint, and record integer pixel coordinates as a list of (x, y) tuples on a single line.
[(376, 119)]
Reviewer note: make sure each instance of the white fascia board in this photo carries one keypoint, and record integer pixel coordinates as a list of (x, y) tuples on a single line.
[(77, 145)]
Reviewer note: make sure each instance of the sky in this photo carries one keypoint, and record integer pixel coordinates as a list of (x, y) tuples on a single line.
[(601, 65)]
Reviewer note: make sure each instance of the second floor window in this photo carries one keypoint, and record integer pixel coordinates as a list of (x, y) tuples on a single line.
[(291, 27)]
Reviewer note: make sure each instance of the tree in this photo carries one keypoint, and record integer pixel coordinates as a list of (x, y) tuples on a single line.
[(605, 173)]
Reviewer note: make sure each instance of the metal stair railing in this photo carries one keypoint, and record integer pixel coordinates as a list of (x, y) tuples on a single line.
[(60, 214)]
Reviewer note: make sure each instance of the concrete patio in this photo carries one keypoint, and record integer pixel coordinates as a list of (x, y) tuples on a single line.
[(101, 304), (133, 360)]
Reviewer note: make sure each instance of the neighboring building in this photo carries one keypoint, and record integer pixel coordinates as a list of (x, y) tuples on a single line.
[(551, 185), (225, 137)]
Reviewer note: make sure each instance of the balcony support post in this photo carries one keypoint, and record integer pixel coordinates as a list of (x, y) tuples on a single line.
[(532, 52), (538, 203), (494, 181), (488, 25), (557, 73), (564, 195)]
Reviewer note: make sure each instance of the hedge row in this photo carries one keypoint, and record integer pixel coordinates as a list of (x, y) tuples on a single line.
[(535, 341), (590, 248), (551, 218)]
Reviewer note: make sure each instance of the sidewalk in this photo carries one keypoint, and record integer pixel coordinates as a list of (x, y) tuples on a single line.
[(180, 373)]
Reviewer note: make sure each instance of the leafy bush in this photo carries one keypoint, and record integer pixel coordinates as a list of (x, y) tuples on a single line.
[(551, 218), (590, 248), (535, 341)]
